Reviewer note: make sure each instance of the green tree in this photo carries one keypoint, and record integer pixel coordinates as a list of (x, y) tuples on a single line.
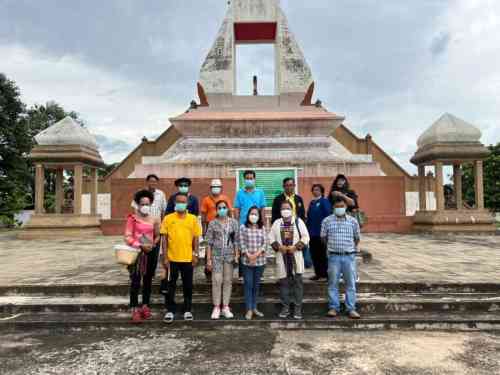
[(14, 147), (491, 174)]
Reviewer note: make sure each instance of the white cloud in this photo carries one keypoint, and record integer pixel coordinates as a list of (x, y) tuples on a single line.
[(109, 104)]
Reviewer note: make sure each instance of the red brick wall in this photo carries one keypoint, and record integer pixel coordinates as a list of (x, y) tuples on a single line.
[(382, 198)]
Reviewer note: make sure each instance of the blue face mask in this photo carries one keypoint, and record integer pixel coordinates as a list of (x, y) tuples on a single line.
[(249, 183), (183, 189), (180, 207), (339, 211), (222, 212)]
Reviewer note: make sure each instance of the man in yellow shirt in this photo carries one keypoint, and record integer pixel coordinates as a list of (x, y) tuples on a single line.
[(180, 231)]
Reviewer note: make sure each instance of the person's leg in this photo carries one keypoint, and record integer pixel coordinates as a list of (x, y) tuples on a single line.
[(172, 285), (298, 292), (334, 272), (216, 287), (313, 246), (322, 260), (187, 285), (349, 272), (248, 281), (285, 293), (135, 285), (227, 283), (152, 259), (258, 272)]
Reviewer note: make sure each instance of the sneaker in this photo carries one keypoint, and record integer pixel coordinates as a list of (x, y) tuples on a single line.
[(136, 316), (249, 315), (215, 313), (258, 313), (285, 312), (226, 312), (168, 318), (315, 278), (297, 315), (146, 312), (354, 315), (188, 316), (332, 313)]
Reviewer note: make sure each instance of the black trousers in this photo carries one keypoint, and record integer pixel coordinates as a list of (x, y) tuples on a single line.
[(147, 280), (319, 258), (186, 271)]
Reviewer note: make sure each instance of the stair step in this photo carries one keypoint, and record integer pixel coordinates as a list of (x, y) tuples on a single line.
[(269, 286), (411, 321), (367, 303)]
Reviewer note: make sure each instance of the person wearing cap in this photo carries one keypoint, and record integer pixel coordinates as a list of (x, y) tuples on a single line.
[(209, 210), (183, 184)]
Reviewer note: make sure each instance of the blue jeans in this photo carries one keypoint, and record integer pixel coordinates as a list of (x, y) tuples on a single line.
[(339, 265), (251, 278)]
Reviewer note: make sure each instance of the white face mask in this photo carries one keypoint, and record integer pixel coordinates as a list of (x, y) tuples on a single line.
[(286, 214), (254, 219), (216, 190), (145, 210)]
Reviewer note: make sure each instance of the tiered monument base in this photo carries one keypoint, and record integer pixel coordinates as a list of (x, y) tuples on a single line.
[(455, 221), (52, 226)]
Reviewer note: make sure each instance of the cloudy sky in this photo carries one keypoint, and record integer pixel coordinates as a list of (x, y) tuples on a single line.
[(391, 67)]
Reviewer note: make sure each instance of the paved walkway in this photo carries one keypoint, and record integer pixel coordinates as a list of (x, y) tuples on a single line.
[(396, 258)]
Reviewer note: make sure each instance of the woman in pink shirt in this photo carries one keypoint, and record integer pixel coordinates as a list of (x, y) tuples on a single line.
[(142, 232)]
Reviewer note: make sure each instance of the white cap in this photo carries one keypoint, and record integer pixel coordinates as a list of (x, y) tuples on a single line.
[(216, 183)]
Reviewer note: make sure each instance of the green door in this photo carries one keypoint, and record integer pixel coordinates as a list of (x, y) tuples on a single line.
[(269, 180)]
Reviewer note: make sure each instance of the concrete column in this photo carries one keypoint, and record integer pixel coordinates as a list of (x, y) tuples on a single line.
[(59, 190), (93, 191), (77, 190), (422, 199), (478, 186), (439, 186), (39, 189), (457, 182)]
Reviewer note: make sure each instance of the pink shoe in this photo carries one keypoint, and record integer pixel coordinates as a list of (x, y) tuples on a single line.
[(146, 312), (136, 316)]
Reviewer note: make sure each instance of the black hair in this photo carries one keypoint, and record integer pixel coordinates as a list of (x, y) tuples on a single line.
[(182, 194), (286, 179), (151, 176), (338, 200), (249, 172), (286, 202), (143, 194), (260, 223), (345, 188), (227, 205), (321, 187)]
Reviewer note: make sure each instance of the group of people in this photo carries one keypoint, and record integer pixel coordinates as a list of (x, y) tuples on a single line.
[(169, 232)]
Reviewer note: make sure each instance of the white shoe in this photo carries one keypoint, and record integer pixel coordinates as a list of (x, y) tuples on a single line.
[(188, 315), (226, 312), (216, 313), (169, 317)]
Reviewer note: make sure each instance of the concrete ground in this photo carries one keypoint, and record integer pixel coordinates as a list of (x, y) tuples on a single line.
[(396, 258), (163, 351)]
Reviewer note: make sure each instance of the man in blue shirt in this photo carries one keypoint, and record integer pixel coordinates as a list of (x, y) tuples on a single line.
[(247, 197), (341, 234)]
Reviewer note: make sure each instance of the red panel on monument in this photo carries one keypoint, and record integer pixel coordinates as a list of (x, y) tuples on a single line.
[(255, 32)]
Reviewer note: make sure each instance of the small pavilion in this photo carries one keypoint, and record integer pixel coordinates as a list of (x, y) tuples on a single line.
[(454, 142), (64, 146)]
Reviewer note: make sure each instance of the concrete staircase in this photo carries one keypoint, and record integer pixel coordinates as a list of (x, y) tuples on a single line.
[(382, 305)]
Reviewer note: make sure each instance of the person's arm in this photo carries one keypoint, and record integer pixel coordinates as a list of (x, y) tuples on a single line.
[(324, 232), (275, 211), (170, 205), (357, 235), (304, 238), (195, 206), (274, 238), (156, 235), (349, 201), (301, 210), (196, 240), (129, 233), (164, 244), (326, 207), (262, 206), (243, 245), (237, 207)]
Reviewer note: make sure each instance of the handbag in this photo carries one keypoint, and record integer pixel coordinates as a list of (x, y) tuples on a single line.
[(126, 255)]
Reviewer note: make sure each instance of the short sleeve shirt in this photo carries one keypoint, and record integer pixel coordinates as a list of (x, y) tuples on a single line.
[(180, 233), (247, 199), (341, 233), (208, 206)]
